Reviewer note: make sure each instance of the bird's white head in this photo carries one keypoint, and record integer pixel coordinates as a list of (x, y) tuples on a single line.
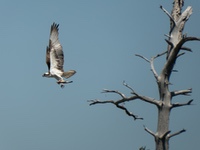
[(47, 74)]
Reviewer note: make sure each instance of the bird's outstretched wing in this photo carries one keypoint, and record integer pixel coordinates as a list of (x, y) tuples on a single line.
[(55, 48)]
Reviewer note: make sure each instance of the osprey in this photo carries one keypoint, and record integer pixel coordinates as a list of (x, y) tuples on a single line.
[(55, 58)]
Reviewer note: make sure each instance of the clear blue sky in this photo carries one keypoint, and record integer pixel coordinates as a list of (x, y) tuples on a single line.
[(99, 39)]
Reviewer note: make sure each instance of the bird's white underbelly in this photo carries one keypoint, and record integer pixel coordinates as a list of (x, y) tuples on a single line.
[(54, 71)]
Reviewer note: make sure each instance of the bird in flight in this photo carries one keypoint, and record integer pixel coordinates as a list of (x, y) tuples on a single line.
[(55, 59)]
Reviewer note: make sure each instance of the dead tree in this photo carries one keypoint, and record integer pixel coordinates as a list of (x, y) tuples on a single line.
[(175, 41)]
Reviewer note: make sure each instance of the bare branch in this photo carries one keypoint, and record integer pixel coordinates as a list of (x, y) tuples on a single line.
[(181, 54), (186, 49), (123, 100), (152, 64), (149, 131), (128, 113), (182, 104), (175, 70), (167, 35), (186, 39), (93, 102), (153, 68), (167, 13), (142, 148), (182, 92), (150, 100), (177, 133), (185, 15), (126, 99), (158, 55), (125, 84), (170, 43), (113, 91), (143, 57)]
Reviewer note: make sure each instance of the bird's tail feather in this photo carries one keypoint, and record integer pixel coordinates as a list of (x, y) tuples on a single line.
[(68, 73)]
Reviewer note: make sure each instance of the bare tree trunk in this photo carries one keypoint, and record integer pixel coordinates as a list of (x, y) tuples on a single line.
[(175, 41), (162, 142)]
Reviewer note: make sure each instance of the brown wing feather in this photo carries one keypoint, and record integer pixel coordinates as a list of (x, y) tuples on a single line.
[(48, 58), (56, 48), (68, 73)]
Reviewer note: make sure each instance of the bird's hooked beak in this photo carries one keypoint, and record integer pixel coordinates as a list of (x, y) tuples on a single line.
[(47, 74)]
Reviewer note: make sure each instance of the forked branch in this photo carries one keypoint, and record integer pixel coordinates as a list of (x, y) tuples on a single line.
[(117, 104), (120, 103), (151, 61)]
